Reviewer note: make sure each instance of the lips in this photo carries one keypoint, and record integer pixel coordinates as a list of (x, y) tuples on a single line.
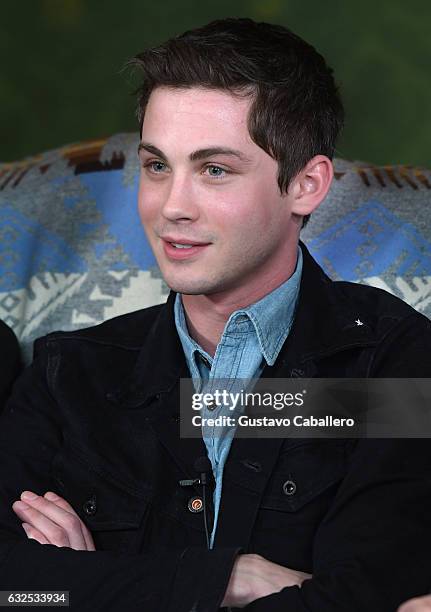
[(182, 248), (183, 241)]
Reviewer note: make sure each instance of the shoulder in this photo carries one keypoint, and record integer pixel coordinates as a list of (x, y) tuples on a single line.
[(127, 331), (334, 307), (98, 356), (396, 325), (379, 308), (402, 335)]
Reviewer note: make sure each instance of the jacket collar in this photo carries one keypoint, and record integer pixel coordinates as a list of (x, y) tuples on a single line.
[(161, 361), (326, 321)]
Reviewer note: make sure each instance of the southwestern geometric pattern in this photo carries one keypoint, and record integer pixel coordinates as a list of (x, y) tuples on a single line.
[(73, 252)]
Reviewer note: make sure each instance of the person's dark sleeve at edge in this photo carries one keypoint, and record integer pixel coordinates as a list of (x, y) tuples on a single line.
[(9, 361)]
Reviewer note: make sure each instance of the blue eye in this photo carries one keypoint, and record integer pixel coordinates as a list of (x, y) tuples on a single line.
[(216, 171), (156, 166)]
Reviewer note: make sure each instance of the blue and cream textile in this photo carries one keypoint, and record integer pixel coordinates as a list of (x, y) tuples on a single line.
[(73, 253)]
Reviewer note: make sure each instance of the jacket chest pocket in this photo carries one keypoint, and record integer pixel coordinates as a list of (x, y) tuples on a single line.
[(297, 497), (113, 513), (303, 473)]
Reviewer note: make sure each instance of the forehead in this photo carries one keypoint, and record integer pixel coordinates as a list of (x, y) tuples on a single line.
[(196, 114)]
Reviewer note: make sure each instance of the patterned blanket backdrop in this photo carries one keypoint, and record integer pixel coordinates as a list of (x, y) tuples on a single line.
[(73, 252)]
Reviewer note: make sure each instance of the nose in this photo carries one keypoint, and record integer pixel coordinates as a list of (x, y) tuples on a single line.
[(180, 203)]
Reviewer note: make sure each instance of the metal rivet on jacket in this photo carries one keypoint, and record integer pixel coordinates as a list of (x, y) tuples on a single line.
[(90, 506), (195, 504), (289, 487)]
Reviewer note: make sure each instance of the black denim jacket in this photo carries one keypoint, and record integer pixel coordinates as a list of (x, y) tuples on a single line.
[(95, 418)]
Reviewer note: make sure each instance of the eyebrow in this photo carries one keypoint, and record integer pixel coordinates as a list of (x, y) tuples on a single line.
[(196, 155)]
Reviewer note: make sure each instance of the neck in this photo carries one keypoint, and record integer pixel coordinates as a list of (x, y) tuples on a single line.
[(206, 315)]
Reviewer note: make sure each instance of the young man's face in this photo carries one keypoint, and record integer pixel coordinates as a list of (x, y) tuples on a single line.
[(204, 182)]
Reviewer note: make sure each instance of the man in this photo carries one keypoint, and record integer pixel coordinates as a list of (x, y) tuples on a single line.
[(238, 127)]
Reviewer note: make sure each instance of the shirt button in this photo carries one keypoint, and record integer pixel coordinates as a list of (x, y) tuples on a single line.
[(212, 405), (289, 487), (90, 507), (195, 504)]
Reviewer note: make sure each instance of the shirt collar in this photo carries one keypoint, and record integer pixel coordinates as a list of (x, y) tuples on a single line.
[(272, 317), (190, 346)]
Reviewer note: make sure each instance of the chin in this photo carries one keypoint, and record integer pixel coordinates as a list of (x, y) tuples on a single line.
[(192, 287)]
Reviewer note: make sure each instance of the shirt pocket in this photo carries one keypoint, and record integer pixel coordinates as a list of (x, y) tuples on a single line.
[(113, 511)]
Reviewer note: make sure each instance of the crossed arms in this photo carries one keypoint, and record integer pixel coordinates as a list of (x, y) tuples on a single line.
[(49, 519), (380, 517)]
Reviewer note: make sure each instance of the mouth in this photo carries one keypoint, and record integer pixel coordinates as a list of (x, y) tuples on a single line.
[(179, 248)]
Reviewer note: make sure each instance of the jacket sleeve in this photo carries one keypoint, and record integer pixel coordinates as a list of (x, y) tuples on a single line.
[(372, 551), (30, 436)]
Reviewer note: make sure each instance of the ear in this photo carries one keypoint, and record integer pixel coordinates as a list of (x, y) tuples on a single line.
[(311, 185)]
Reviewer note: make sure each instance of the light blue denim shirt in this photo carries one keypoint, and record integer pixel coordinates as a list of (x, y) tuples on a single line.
[(252, 337)]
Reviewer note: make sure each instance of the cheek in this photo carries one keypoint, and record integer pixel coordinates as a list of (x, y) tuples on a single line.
[(249, 209), (147, 202), (238, 227)]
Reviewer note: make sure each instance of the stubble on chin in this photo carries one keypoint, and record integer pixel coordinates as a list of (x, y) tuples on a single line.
[(202, 285)]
